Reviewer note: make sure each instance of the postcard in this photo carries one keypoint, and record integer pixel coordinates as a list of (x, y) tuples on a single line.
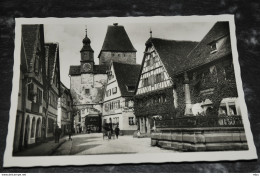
[(121, 90)]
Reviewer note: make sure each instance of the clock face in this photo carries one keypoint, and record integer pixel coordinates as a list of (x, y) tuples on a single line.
[(87, 67)]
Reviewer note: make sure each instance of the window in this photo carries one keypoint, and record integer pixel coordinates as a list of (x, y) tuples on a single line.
[(33, 127), (228, 71), (108, 92), (126, 103), (82, 111), (131, 121), (113, 54), (36, 65), (39, 96), (87, 91), (30, 91), (130, 88), (114, 90), (148, 62), (110, 75), (213, 47), (50, 125), (146, 83), (118, 102)]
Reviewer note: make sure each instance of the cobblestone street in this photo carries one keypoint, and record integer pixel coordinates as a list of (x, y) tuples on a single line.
[(89, 144)]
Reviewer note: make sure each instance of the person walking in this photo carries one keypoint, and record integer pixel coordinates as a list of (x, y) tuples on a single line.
[(110, 127), (117, 131), (70, 134), (56, 134)]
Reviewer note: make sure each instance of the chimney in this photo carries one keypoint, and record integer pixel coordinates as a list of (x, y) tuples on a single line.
[(115, 24)]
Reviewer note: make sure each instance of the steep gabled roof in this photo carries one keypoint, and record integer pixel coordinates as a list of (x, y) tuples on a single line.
[(172, 53), (201, 54), (74, 70), (100, 69), (29, 39), (52, 50), (126, 75), (117, 40)]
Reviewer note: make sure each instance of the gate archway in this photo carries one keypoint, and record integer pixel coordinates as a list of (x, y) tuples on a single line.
[(38, 129), (26, 131)]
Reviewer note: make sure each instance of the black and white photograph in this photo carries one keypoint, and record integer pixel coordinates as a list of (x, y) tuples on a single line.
[(126, 90)]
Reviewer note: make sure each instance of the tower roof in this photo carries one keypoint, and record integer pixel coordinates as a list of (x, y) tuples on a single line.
[(117, 40), (86, 44)]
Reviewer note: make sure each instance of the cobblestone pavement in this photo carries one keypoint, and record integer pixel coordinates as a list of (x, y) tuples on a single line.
[(43, 149), (89, 144)]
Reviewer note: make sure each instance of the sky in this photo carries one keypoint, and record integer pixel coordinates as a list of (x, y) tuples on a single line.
[(70, 36)]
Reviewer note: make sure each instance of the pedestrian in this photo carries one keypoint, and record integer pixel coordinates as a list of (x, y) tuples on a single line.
[(138, 134), (70, 134), (56, 134), (110, 127), (117, 131)]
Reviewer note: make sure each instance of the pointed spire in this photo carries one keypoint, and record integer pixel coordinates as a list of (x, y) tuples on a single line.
[(86, 31), (86, 40)]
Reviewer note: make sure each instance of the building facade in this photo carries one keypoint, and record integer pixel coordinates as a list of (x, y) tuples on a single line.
[(208, 77), (118, 102), (155, 96), (65, 110), (28, 127), (52, 87)]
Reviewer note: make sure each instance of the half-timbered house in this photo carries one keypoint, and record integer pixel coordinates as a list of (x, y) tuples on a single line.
[(156, 97), (118, 102)]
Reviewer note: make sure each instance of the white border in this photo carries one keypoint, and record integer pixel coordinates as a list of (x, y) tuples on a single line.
[(10, 161)]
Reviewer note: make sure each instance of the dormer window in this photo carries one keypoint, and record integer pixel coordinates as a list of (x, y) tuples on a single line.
[(130, 88), (213, 47)]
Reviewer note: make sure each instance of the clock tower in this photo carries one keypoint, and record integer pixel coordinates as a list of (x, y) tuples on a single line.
[(87, 56)]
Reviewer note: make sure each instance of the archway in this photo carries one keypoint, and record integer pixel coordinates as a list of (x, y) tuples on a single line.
[(26, 131), (38, 129), (33, 128)]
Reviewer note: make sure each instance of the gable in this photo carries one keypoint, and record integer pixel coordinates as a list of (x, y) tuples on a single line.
[(127, 77), (111, 85), (153, 75)]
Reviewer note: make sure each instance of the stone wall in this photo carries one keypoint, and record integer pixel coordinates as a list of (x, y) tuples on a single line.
[(201, 139), (123, 57)]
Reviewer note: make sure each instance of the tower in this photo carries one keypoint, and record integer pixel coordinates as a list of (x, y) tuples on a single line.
[(117, 47), (87, 56)]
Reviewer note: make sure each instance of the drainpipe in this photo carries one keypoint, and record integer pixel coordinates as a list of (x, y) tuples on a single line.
[(188, 107)]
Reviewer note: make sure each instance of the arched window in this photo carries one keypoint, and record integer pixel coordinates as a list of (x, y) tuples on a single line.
[(33, 127)]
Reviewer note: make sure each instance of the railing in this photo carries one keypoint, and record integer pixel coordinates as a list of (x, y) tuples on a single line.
[(201, 121)]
